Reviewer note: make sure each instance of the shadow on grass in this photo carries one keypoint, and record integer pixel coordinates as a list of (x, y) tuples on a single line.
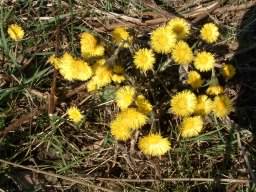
[(244, 60)]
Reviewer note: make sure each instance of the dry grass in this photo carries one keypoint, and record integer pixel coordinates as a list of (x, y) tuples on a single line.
[(72, 158)]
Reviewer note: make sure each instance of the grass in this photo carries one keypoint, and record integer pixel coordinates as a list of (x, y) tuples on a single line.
[(53, 144)]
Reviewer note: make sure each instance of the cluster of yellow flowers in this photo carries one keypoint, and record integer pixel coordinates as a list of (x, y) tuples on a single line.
[(94, 67)]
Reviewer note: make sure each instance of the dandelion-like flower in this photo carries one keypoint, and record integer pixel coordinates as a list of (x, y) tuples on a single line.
[(90, 47), (54, 61), (144, 59), (228, 71), (204, 105), (194, 79), (117, 78), (162, 40), (183, 103), (222, 106), (191, 126), (125, 96), (182, 53), (204, 61), (214, 89), (66, 66), (120, 130), (180, 27), (127, 121), (143, 104), (102, 77), (209, 33), (74, 69), (121, 37), (154, 145), (74, 114), (15, 32)]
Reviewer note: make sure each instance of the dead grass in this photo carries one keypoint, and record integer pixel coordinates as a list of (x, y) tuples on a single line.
[(84, 157)]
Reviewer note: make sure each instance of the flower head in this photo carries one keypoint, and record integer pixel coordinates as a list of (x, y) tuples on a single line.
[(144, 59), (116, 78), (125, 96), (194, 79), (15, 32), (222, 106), (228, 71), (182, 53), (204, 61), (120, 130), (162, 41), (204, 105), (214, 89), (154, 145), (143, 104), (54, 61), (74, 114), (180, 27), (121, 37), (74, 69), (191, 126), (183, 103), (102, 77), (127, 121), (90, 47), (209, 33)]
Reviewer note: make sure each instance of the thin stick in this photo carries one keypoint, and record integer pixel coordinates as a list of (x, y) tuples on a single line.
[(73, 180), (81, 180)]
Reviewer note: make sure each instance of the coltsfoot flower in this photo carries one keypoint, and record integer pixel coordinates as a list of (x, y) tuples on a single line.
[(125, 97), (183, 103), (204, 61), (191, 126), (204, 105), (74, 114), (222, 106), (121, 37), (209, 33), (15, 32), (162, 40), (179, 26), (144, 59), (228, 71), (154, 145), (182, 54), (194, 79)]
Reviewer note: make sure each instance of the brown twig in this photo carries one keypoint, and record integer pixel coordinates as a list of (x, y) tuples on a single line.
[(206, 11), (16, 124), (235, 7), (73, 180), (82, 180)]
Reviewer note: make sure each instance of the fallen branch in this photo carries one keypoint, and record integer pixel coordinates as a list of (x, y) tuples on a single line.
[(82, 180)]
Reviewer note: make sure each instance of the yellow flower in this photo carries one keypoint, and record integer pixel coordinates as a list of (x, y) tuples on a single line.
[(191, 126), (74, 114), (194, 79), (182, 53), (102, 77), (82, 71), (117, 78), (143, 104), (183, 103), (74, 69), (228, 71), (127, 121), (180, 27), (54, 61), (144, 59), (90, 47), (121, 37), (204, 61), (162, 41), (209, 33), (66, 66), (120, 130), (154, 145), (214, 89), (204, 105), (125, 96), (15, 32), (222, 106)]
